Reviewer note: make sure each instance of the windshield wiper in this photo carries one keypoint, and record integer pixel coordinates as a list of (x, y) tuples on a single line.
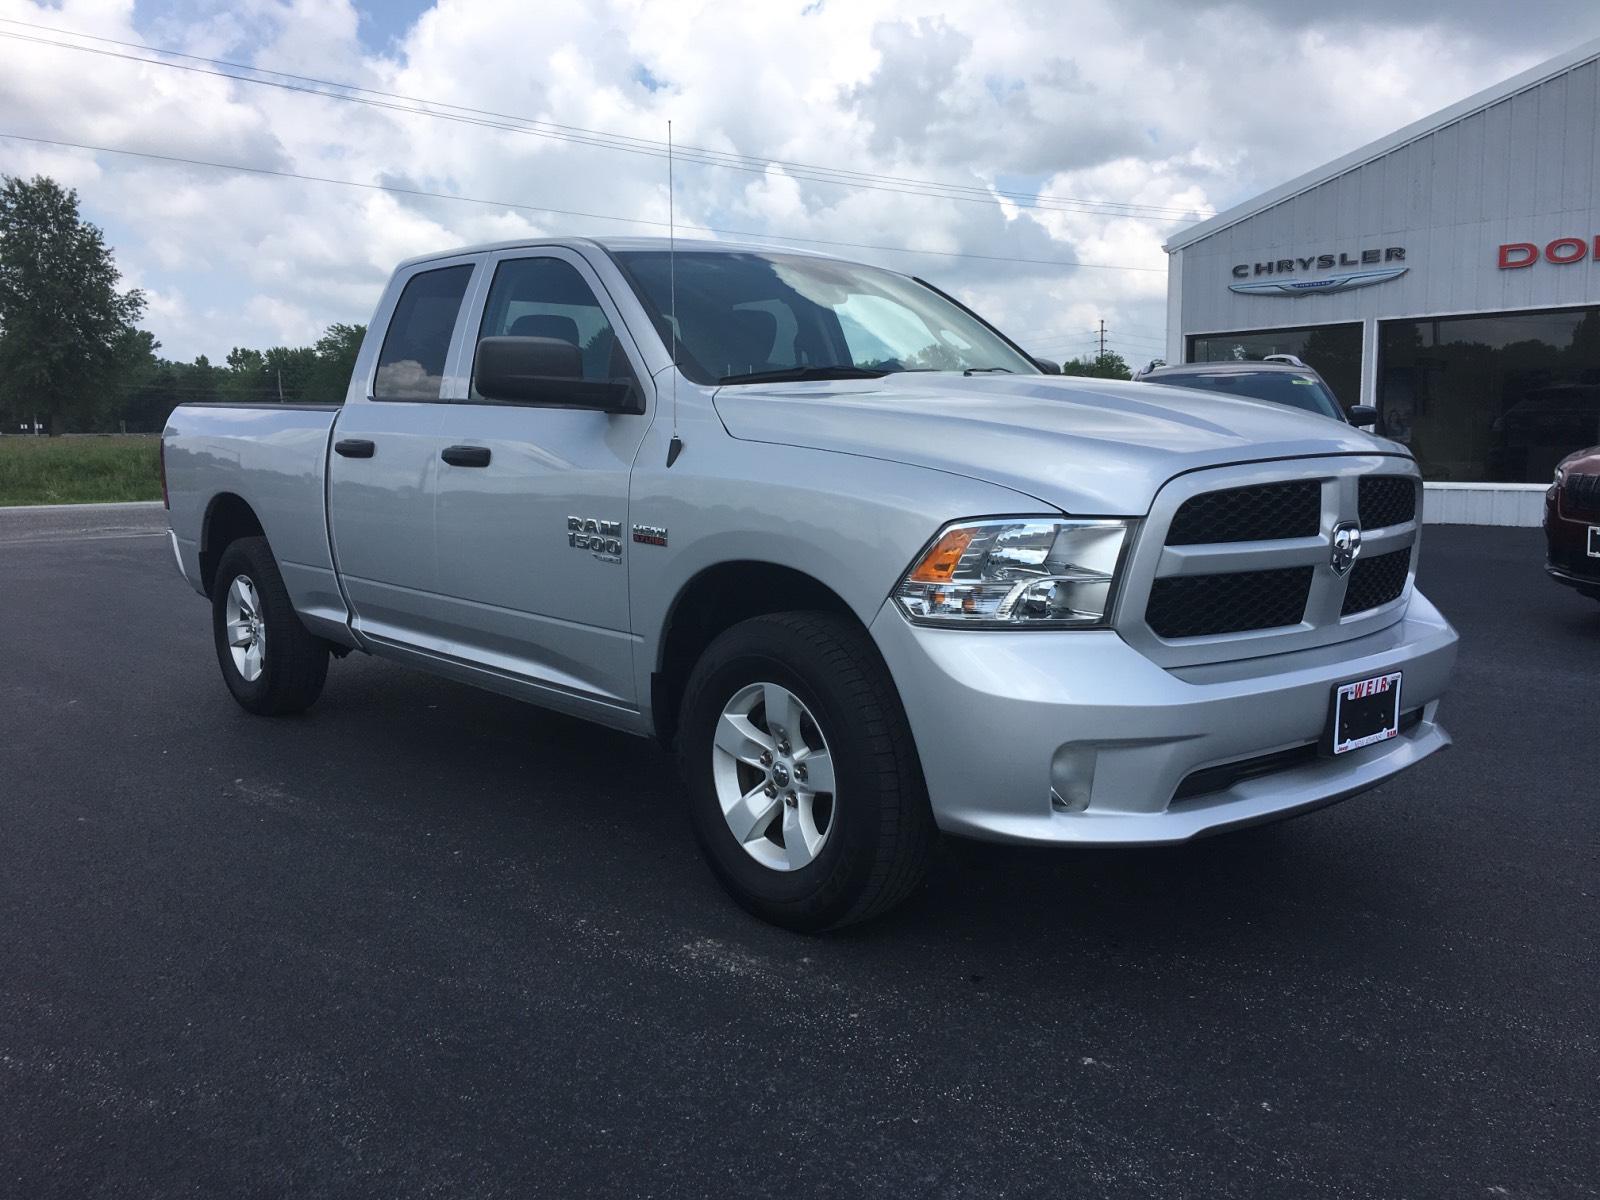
[(785, 374), (988, 371)]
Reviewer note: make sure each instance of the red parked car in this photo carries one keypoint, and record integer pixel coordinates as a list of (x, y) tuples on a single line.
[(1572, 522)]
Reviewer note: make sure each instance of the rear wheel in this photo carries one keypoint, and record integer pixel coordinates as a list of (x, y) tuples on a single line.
[(805, 789), (270, 663)]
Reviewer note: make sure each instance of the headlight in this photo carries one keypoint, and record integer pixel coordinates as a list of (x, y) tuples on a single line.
[(1011, 574), (1560, 475)]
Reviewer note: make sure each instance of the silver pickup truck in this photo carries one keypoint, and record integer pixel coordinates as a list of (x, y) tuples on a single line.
[(839, 542)]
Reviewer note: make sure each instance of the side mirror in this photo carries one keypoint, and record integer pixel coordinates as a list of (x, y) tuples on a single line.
[(547, 372), (1045, 365), (1362, 414)]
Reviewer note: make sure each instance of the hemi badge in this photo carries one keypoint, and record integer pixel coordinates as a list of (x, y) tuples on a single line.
[(650, 535)]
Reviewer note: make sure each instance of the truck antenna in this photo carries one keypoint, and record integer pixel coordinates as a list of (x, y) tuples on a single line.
[(675, 446)]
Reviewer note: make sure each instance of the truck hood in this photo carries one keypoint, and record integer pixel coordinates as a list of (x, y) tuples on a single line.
[(1089, 447)]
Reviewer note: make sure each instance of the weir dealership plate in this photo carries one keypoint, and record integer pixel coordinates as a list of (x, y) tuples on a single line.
[(1365, 712)]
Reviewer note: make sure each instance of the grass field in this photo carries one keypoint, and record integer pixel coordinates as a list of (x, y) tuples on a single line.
[(78, 470)]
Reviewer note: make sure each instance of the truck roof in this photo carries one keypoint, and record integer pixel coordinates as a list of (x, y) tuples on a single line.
[(684, 245)]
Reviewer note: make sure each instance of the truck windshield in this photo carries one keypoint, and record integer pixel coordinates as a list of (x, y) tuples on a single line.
[(1289, 388), (751, 318)]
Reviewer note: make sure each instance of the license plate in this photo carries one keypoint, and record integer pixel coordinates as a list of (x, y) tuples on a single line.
[(1594, 541), (1365, 712)]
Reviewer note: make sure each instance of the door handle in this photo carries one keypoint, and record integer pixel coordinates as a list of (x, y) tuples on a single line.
[(466, 456), (354, 448)]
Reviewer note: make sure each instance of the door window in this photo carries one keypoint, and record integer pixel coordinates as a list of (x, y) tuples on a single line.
[(547, 298), (411, 364)]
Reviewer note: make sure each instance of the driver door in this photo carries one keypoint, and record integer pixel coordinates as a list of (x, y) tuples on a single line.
[(518, 593)]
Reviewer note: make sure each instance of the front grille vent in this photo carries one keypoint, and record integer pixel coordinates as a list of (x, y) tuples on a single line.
[(1184, 606), (1580, 496), (1386, 500), (1376, 581), (1249, 514)]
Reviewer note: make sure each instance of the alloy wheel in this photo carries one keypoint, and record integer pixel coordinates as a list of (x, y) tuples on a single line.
[(247, 630), (773, 776)]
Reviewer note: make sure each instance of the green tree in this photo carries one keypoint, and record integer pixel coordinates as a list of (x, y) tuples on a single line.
[(336, 352), (1109, 365), (65, 328), (246, 376)]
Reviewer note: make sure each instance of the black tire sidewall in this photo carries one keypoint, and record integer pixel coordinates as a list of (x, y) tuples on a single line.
[(244, 558), (822, 892)]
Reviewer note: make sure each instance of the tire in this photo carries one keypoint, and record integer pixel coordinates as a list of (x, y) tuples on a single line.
[(876, 832), (291, 665)]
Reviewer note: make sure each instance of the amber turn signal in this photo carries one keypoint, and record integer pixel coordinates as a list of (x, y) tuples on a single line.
[(942, 558)]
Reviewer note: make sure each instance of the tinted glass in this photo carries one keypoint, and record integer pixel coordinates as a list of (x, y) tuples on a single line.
[(741, 313), (546, 297), (1332, 351), (1498, 398), (411, 364), (1290, 388)]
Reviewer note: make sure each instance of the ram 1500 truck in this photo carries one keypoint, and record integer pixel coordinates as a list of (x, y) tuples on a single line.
[(839, 542)]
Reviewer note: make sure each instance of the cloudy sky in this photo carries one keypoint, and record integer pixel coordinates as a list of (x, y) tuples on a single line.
[(1127, 119)]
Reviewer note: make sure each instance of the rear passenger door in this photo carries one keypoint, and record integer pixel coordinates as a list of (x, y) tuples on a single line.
[(520, 594), (384, 461)]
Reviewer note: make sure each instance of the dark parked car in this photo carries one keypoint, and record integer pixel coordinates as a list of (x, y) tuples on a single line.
[(1572, 522), (1290, 383)]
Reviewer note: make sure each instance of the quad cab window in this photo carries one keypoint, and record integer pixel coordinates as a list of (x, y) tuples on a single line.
[(548, 298), (411, 363)]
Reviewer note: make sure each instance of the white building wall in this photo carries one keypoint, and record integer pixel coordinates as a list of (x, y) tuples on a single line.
[(1524, 170)]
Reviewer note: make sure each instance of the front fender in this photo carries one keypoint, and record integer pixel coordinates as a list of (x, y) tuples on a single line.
[(852, 524)]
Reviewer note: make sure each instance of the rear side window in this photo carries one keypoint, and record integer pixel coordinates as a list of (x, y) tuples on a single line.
[(547, 298), (411, 365)]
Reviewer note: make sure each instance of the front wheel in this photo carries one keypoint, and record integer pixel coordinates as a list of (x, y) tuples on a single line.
[(269, 661), (806, 793)]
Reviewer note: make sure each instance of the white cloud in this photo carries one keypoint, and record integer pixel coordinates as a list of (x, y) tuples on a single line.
[(1178, 104)]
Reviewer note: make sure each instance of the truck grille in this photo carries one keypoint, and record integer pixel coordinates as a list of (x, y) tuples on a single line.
[(1376, 581), (1386, 500), (1234, 562), (1196, 605), (1249, 514), (1580, 496)]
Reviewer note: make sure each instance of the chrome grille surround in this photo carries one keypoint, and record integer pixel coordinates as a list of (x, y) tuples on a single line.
[(1323, 622)]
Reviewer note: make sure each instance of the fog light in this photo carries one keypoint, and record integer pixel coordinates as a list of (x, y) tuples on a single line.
[(1071, 778)]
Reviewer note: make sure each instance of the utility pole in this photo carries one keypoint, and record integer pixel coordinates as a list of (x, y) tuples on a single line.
[(1102, 337), (280, 380)]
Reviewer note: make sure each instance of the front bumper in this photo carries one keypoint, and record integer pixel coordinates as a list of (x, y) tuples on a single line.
[(1567, 558), (1077, 738), (1585, 585)]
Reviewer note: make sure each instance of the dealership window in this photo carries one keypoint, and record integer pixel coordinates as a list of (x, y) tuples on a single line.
[(1333, 351), (1494, 398)]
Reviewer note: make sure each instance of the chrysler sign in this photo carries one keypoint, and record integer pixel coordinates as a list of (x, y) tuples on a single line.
[(1268, 278), (1317, 284)]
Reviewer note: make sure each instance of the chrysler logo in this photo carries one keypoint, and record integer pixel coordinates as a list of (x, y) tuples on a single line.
[(1319, 284), (1346, 547)]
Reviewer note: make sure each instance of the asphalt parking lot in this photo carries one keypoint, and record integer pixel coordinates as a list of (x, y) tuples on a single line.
[(429, 942)]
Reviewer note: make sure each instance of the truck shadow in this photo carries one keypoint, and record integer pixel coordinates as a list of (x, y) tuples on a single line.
[(571, 796)]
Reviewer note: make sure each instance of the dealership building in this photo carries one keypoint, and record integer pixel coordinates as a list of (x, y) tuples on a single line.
[(1448, 274)]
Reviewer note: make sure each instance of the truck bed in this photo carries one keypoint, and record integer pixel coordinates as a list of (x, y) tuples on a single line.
[(273, 457)]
